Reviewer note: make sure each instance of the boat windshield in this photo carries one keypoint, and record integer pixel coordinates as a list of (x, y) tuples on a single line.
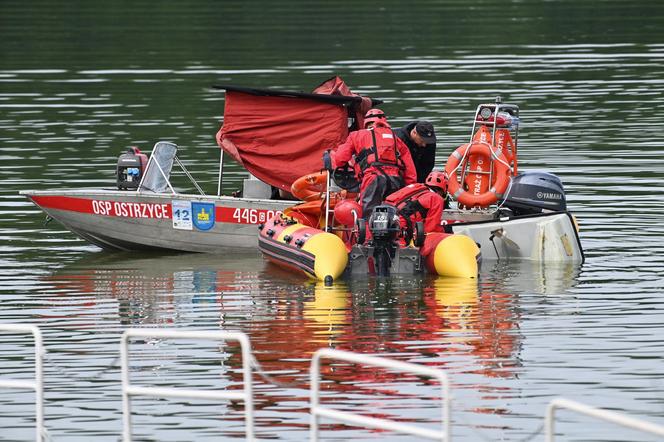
[(159, 168)]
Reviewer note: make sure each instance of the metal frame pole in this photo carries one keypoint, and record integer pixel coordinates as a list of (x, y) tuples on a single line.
[(327, 199), (221, 170)]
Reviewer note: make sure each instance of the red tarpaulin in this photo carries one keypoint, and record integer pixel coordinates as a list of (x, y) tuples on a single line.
[(279, 136)]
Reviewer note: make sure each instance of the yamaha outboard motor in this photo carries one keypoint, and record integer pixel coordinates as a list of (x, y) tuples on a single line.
[(385, 227), (535, 192)]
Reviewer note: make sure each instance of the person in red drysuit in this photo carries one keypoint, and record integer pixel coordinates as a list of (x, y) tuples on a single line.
[(384, 160), (422, 202)]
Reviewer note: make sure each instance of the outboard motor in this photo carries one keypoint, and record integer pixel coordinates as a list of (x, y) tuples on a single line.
[(385, 227), (535, 192), (130, 168)]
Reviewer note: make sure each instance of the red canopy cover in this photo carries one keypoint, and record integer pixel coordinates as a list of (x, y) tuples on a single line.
[(278, 136)]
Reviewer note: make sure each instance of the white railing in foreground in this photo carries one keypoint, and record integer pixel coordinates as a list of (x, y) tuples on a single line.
[(598, 413), (316, 409), (369, 422), (129, 390), (38, 384)]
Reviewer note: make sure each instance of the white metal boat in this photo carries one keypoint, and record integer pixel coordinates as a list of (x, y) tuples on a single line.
[(118, 220)]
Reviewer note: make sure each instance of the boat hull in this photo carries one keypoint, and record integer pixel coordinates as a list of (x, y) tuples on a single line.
[(545, 237), (125, 220)]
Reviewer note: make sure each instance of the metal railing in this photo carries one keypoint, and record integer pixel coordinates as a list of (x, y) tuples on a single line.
[(370, 422), (317, 411), (38, 384), (129, 390), (598, 413)]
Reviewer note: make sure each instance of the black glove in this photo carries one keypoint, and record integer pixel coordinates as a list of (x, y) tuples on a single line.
[(327, 161)]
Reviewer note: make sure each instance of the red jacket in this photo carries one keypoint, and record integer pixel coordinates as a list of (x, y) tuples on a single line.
[(418, 202), (395, 161)]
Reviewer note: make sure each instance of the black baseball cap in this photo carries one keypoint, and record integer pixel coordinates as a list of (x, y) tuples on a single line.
[(425, 130)]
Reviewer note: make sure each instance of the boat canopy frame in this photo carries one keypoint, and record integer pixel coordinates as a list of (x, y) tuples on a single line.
[(162, 157)]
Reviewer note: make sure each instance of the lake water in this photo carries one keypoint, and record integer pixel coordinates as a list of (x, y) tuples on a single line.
[(80, 81)]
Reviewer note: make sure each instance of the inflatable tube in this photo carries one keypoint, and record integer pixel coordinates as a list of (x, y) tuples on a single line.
[(451, 255), (317, 254)]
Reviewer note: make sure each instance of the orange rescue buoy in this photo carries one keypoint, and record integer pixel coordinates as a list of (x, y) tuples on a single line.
[(310, 187), (485, 173)]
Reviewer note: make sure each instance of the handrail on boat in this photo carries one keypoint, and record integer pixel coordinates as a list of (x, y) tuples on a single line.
[(129, 390), (370, 422), (38, 384), (598, 413)]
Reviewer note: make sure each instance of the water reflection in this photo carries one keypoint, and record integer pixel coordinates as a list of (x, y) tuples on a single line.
[(288, 319), (327, 312), (122, 273), (533, 277)]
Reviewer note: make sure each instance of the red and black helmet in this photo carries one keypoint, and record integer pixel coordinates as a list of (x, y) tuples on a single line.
[(375, 116), (437, 179)]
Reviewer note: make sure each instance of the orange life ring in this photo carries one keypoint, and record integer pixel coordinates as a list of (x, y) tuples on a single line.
[(310, 187), (476, 191)]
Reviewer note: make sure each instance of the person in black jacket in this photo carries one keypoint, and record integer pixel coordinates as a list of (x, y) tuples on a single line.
[(420, 138)]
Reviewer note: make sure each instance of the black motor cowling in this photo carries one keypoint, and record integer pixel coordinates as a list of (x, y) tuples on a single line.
[(385, 227), (130, 168), (535, 192), (384, 223)]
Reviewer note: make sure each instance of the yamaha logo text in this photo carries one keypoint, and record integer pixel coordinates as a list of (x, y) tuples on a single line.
[(550, 196)]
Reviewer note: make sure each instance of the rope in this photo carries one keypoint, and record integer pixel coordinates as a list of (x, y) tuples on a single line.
[(269, 378), (66, 372), (532, 435), (495, 156), (506, 194), (483, 435)]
